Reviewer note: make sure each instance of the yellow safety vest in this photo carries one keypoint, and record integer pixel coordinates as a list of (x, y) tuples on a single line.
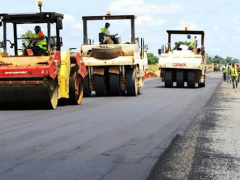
[(229, 68), (234, 71), (224, 69), (191, 42), (103, 30), (42, 43)]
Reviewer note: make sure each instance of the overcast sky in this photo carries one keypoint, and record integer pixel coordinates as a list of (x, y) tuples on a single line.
[(220, 19)]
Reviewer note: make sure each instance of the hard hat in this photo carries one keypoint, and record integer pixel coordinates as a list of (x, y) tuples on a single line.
[(107, 24), (188, 36), (37, 28)]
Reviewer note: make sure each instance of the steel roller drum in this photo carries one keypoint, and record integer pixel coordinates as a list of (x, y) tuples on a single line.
[(29, 95)]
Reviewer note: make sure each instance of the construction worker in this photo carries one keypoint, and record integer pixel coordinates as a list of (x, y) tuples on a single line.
[(224, 73), (190, 42), (195, 42), (108, 34), (229, 73), (215, 67), (40, 42), (234, 75), (238, 68)]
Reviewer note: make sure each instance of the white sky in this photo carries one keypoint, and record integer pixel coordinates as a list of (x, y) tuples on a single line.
[(220, 19)]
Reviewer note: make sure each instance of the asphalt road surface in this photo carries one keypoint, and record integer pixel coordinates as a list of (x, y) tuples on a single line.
[(209, 148), (104, 138)]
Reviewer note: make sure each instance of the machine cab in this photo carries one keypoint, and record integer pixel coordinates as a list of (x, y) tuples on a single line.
[(12, 26)]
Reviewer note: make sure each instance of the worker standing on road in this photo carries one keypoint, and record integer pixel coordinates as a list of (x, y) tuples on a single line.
[(238, 68), (107, 33), (224, 73), (215, 67), (218, 67), (229, 73), (234, 75), (190, 42)]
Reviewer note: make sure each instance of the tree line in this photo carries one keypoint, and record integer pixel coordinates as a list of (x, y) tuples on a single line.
[(220, 60)]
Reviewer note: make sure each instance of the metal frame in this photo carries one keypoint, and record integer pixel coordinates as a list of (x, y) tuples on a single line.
[(108, 17), (170, 32), (31, 18)]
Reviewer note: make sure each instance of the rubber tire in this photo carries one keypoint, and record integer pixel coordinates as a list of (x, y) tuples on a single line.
[(131, 82), (191, 79), (180, 78), (168, 76), (107, 52), (201, 84), (114, 88), (86, 88), (75, 89), (99, 85)]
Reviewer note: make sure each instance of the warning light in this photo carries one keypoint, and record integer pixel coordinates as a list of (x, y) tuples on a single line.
[(39, 3), (108, 13), (40, 6), (186, 28)]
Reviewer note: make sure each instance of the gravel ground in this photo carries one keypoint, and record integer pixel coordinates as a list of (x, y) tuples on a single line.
[(210, 148)]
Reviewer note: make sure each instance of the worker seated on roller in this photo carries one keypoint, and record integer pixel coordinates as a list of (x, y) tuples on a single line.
[(190, 42), (40, 42), (108, 38)]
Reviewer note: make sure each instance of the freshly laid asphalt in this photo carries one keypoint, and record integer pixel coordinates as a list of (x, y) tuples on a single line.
[(103, 138), (210, 148)]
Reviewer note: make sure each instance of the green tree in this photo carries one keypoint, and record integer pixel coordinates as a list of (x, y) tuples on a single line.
[(229, 59), (177, 44), (26, 35), (152, 59), (235, 60), (208, 59), (219, 60)]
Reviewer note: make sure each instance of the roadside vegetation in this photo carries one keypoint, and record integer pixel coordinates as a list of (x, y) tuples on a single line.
[(152, 59), (220, 60)]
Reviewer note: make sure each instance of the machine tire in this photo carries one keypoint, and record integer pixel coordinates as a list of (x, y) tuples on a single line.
[(107, 52), (201, 84), (53, 94), (191, 79), (99, 85), (75, 89), (86, 88), (168, 78), (180, 78), (131, 82), (115, 89)]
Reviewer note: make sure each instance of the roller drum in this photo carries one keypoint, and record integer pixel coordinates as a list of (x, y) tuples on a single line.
[(33, 96)]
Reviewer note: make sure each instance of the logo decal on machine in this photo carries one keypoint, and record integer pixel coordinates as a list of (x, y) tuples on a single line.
[(16, 72), (179, 64)]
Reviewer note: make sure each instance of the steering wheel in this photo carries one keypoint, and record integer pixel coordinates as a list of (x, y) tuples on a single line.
[(27, 41), (114, 35), (30, 41)]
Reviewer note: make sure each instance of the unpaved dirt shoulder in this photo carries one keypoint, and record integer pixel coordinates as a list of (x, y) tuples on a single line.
[(210, 148)]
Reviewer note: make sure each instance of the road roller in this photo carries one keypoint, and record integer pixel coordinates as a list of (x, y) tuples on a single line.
[(41, 79), (114, 68)]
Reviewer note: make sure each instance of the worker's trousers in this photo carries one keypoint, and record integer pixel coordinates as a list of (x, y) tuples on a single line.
[(224, 76), (234, 81)]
